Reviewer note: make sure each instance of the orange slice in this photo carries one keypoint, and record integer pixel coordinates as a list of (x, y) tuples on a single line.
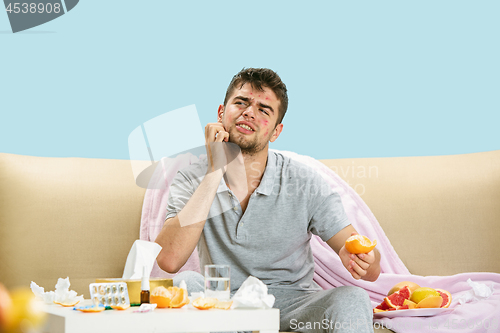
[(446, 297), (359, 244), (430, 302), (204, 303), (412, 285), (223, 305), (173, 297), (120, 307), (68, 304), (92, 309), (411, 305)]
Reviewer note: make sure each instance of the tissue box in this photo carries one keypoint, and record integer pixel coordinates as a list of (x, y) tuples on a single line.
[(134, 286)]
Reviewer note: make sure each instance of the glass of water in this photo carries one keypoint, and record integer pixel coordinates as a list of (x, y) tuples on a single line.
[(217, 282)]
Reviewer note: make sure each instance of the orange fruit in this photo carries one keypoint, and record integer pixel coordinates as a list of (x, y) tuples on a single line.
[(446, 297), (430, 302), (173, 297), (121, 306), (204, 303), (68, 304), (411, 285), (411, 305), (92, 309), (180, 297), (397, 299), (359, 244), (223, 305), (381, 307), (421, 293)]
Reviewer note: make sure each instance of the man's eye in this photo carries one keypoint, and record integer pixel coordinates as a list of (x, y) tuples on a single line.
[(265, 111)]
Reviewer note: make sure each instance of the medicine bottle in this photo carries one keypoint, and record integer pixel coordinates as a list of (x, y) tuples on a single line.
[(144, 286)]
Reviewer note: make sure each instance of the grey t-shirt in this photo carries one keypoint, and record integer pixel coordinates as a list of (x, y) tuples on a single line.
[(271, 239)]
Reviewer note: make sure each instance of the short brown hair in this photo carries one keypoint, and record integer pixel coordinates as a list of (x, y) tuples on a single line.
[(261, 78)]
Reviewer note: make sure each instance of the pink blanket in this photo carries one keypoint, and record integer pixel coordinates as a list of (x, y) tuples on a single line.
[(476, 316)]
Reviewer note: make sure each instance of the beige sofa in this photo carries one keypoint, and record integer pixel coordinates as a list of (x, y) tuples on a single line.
[(78, 217)]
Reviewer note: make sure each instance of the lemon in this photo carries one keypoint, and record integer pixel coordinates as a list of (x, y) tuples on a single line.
[(421, 293)]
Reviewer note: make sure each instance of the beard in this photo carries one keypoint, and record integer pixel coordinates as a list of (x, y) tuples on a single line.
[(248, 146)]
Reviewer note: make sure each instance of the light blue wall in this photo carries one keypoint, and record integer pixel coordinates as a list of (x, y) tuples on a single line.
[(365, 78)]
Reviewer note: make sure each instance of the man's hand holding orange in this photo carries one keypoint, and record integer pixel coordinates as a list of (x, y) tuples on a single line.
[(358, 255)]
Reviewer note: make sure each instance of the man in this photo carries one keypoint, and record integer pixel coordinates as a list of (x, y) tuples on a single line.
[(257, 211)]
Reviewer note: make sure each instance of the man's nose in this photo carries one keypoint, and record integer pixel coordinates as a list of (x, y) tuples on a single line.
[(249, 111)]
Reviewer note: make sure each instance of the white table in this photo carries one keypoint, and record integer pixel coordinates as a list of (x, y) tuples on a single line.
[(186, 319)]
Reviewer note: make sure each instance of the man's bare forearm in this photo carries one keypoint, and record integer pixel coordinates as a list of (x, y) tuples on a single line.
[(180, 234)]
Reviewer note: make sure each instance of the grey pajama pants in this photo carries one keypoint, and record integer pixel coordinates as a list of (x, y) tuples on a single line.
[(341, 309)]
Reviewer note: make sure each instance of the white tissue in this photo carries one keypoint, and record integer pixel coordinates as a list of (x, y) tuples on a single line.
[(62, 294), (142, 253), (479, 291), (146, 307), (253, 294)]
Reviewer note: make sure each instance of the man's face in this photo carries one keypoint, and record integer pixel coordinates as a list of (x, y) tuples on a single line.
[(250, 117)]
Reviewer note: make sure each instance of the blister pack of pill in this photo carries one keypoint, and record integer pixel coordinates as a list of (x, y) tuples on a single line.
[(108, 294)]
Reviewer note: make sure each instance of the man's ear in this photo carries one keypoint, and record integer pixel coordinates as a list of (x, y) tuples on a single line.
[(277, 132), (220, 112)]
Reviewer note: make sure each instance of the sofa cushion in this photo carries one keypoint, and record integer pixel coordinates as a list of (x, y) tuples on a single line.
[(60, 217)]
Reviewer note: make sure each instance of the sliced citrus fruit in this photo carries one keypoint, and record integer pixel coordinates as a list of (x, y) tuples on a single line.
[(121, 306), (397, 299), (161, 296), (180, 297), (359, 244), (411, 285), (419, 294), (223, 305), (411, 305), (91, 309), (430, 302), (382, 306), (173, 297), (204, 303), (68, 304), (446, 297)]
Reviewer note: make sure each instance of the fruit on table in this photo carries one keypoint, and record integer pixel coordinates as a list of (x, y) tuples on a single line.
[(68, 304), (209, 303), (358, 244), (408, 295), (24, 313), (121, 306), (204, 303), (171, 297)]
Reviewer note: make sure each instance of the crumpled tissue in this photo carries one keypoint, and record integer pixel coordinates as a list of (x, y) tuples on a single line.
[(142, 253), (479, 291), (145, 307), (253, 294), (61, 295)]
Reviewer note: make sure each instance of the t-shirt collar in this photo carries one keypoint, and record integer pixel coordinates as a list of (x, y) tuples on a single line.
[(267, 181)]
